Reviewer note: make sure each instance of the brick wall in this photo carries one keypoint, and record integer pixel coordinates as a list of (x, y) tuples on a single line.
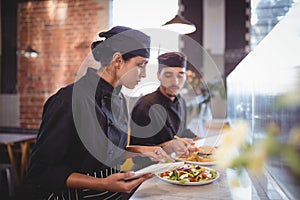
[(62, 32)]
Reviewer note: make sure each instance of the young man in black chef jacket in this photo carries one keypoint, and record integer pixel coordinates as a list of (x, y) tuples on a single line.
[(159, 116)]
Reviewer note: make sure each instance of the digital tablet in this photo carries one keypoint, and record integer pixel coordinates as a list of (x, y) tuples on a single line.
[(154, 169)]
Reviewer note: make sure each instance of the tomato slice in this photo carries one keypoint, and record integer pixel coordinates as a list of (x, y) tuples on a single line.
[(192, 180), (164, 174)]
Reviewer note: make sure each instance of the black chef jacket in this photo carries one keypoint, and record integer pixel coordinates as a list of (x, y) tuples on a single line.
[(155, 119), (76, 123), (151, 127)]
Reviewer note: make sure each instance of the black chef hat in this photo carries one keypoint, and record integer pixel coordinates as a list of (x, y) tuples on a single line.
[(127, 40), (172, 59)]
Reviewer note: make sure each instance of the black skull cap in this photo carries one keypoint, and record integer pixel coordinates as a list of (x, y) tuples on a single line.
[(127, 40)]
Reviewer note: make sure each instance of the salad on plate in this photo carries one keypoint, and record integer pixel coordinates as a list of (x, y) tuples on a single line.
[(189, 174)]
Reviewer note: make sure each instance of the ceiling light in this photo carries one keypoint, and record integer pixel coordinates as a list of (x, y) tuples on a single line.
[(180, 25), (29, 52)]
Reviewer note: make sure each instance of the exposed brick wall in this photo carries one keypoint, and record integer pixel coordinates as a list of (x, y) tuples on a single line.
[(62, 32)]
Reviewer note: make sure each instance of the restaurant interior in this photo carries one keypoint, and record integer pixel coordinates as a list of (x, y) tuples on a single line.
[(243, 65)]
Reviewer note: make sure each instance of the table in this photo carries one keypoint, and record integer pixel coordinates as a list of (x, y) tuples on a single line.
[(228, 186), (10, 139)]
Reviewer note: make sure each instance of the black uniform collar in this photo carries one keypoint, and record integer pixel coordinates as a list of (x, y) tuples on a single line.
[(103, 88), (166, 99), (108, 88)]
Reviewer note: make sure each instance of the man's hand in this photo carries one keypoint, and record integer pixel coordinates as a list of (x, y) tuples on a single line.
[(182, 149), (155, 153)]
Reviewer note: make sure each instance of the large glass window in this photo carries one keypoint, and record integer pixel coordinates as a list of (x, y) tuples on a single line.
[(265, 14), (264, 88)]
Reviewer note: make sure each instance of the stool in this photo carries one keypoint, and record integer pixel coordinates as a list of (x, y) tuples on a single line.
[(7, 180)]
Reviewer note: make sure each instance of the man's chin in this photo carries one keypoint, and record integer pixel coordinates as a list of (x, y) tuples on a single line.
[(171, 94)]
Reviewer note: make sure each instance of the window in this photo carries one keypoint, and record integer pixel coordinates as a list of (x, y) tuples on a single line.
[(147, 15), (265, 14)]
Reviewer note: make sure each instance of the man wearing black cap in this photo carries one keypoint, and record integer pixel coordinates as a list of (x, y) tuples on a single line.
[(159, 116)]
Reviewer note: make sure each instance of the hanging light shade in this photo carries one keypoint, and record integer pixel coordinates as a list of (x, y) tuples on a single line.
[(180, 25), (29, 52)]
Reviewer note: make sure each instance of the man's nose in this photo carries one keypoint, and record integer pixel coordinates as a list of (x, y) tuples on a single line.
[(175, 80)]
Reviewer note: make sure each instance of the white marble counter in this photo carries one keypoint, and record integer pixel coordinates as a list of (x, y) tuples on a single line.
[(156, 189), (228, 186)]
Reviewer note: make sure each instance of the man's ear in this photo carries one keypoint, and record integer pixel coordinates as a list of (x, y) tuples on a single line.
[(117, 60)]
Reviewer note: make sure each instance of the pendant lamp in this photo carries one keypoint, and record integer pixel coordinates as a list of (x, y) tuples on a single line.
[(28, 51), (179, 24)]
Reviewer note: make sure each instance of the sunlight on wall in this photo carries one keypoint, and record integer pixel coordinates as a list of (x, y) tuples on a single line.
[(58, 10), (147, 15)]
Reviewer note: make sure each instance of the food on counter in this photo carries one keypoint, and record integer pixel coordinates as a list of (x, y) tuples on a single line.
[(206, 150), (203, 154), (189, 173), (196, 157)]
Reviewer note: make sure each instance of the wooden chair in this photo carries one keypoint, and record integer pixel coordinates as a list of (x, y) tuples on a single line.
[(7, 181)]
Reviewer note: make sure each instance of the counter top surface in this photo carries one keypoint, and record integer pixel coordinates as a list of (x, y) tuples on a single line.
[(156, 189), (229, 185)]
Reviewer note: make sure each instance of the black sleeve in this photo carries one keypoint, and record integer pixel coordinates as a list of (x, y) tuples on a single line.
[(47, 164), (188, 133)]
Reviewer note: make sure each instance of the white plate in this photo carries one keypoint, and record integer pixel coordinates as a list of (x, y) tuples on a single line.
[(189, 183), (173, 155), (155, 168)]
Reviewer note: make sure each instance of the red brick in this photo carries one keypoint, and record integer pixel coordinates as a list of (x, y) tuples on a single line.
[(63, 45)]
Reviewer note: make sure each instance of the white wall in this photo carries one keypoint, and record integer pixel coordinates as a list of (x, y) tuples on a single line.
[(9, 110), (214, 43), (214, 26)]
